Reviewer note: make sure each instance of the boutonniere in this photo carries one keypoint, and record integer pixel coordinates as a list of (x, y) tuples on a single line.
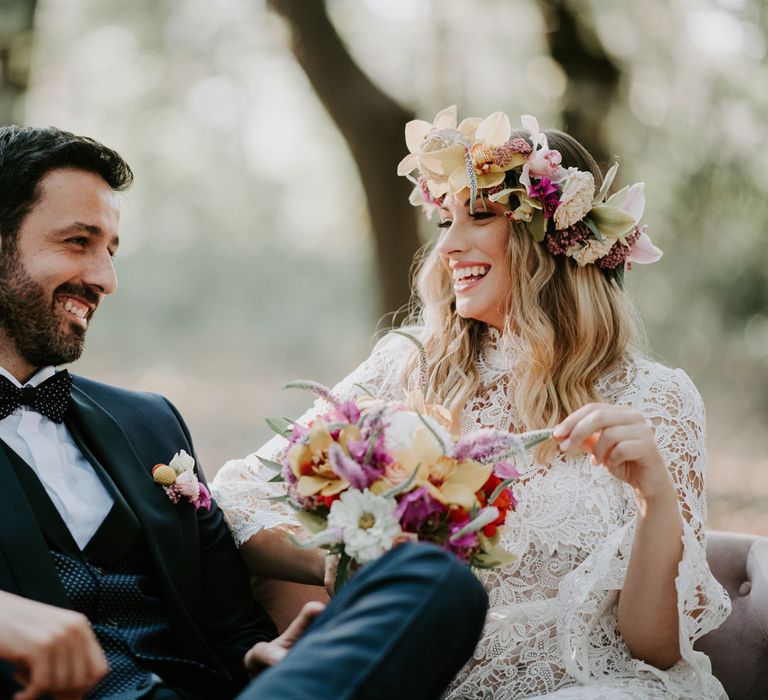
[(179, 480)]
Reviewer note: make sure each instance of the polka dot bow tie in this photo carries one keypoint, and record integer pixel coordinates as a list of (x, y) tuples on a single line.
[(50, 398)]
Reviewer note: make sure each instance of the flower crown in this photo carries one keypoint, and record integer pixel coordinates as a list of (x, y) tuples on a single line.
[(559, 206)]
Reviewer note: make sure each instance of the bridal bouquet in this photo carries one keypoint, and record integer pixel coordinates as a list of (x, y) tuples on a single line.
[(371, 474)]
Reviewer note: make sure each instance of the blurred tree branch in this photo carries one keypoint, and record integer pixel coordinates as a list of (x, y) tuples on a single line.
[(16, 34), (372, 124), (593, 77)]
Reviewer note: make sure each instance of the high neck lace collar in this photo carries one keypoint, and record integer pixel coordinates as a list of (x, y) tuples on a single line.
[(500, 352)]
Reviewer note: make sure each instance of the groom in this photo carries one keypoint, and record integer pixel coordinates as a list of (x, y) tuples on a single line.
[(99, 568)]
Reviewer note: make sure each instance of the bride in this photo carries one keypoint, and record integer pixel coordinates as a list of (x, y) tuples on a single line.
[(526, 325)]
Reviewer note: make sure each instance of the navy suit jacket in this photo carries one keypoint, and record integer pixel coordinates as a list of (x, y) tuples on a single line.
[(201, 576)]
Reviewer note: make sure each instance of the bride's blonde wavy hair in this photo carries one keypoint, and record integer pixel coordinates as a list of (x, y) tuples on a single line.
[(574, 323)]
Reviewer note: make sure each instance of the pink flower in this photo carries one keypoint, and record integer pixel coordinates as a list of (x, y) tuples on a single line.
[(546, 192), (543, 161), (643, 251), (505, 470), (203, 499), (188, 485)]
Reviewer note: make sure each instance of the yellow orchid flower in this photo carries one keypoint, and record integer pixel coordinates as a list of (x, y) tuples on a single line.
[(460, 483), (309, 462)]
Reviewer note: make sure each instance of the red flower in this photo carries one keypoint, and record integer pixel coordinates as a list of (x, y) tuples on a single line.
[(457, 515), (329, 500)]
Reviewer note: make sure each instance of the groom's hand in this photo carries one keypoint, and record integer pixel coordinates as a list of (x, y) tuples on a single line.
[(271, 653), (54, 650)]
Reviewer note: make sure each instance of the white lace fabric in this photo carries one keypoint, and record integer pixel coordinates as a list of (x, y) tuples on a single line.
[(552, 629)]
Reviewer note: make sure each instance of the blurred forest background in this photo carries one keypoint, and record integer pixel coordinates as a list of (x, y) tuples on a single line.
[(267, 232)]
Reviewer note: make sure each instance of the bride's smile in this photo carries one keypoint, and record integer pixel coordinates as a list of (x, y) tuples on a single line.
[(473, 249)]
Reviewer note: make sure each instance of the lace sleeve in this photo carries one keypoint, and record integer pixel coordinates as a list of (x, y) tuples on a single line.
[(670, 401), (242, 486)]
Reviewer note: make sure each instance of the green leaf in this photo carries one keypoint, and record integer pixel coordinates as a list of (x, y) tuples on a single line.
[(277, 479), (537, 226), (591, 226), (283, 499), (619, 273), (342, 571), (312, 523), (280, 426), (494, 557), (269, 464)]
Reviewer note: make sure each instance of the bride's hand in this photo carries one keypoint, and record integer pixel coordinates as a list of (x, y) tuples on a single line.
[(619, 438)]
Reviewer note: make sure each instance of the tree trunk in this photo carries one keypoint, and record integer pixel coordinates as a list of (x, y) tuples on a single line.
[(372, 124), (593, 77), (16, 34)]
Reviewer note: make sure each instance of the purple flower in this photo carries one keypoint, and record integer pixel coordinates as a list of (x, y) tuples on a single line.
[(546, 192), (415, 507), (479, 445), (359, 449), (463, 546), (348, 411), (482, 445), (347, 468), (373, 467)]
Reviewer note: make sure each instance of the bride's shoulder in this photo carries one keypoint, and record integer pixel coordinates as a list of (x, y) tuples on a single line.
[(644, 379)]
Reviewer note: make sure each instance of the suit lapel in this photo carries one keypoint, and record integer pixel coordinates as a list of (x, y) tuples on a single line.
[(120, 528), (23, 543), (163, 523)]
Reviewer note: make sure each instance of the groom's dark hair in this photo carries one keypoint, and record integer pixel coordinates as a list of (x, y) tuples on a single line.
[(27, 154)]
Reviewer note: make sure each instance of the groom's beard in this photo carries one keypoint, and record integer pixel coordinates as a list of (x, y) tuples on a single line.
[(30, 319)]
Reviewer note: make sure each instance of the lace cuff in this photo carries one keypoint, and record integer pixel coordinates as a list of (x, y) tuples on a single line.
[(241, 488), (587, 634)]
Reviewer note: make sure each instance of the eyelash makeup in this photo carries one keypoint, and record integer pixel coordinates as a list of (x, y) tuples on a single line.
[(477, 216)]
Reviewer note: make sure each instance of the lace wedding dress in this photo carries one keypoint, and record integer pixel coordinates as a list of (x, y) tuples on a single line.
[(552, 630)]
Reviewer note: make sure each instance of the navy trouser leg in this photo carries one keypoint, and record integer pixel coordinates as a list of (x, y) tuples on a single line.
[(401, 629)]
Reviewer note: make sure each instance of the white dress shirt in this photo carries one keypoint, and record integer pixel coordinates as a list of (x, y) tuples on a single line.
[(71, 482)]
